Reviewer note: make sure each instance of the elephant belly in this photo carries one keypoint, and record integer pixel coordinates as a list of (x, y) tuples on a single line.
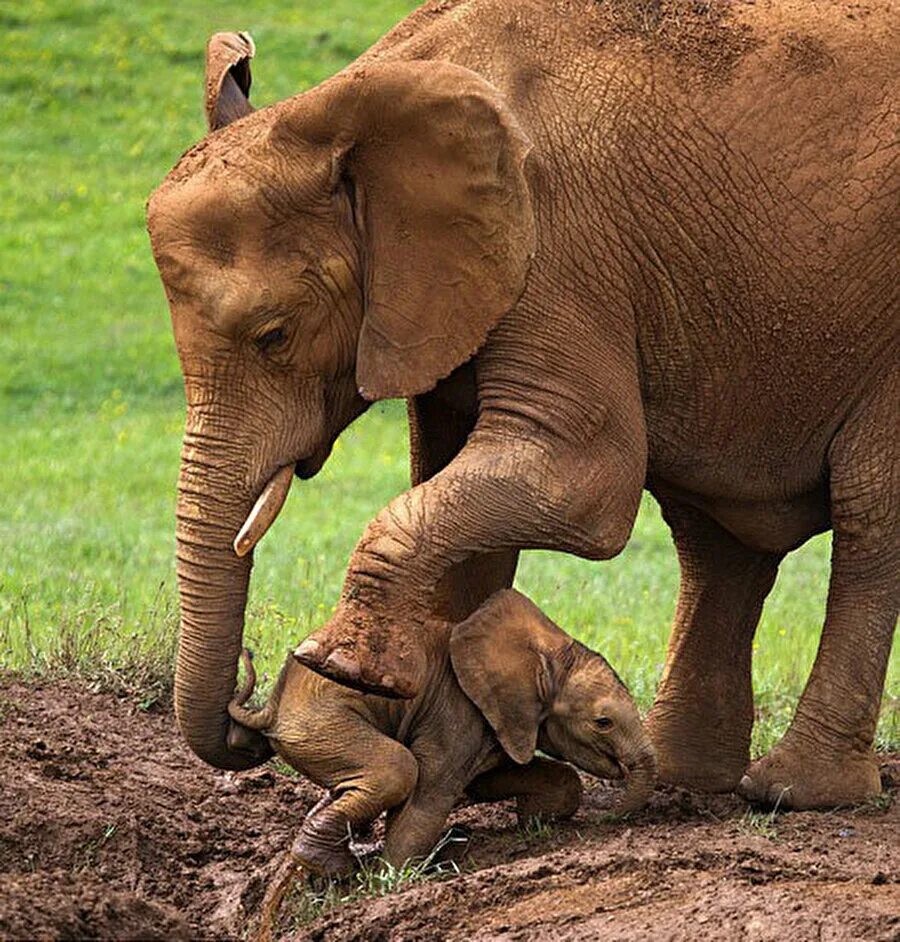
[(771, 526)]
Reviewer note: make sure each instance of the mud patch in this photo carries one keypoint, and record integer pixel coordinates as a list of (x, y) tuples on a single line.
[(804, 54), (703, 36), (110, 829)]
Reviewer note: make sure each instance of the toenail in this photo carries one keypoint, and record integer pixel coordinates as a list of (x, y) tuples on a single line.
[(341, 664), (308, 648), (746, 784), (388, 681)]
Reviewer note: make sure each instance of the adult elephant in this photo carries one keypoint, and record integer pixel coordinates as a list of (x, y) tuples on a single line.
[(597, 247)]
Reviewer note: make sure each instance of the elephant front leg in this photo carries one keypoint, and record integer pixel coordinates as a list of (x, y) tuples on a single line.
[(543, 789), (499, 495), (440, 422), (702, 719), (556, 460)]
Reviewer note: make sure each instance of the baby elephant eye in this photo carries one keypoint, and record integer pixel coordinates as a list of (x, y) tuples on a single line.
[(604, 723), (271, 339)]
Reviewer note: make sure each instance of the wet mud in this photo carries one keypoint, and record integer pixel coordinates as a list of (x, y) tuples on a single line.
[(111, 829)]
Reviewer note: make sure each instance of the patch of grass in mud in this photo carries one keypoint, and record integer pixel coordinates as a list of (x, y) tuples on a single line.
[(91, 404), (878, 804), (537, 830), (93, 643), (310, 898), (760, 823), (91, 850)]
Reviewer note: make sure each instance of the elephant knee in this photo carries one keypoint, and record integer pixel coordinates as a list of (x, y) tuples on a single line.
[(398, 775)]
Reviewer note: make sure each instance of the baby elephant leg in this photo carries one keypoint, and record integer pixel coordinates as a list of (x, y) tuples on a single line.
[(543, 789), (377, 777), (414, 830)]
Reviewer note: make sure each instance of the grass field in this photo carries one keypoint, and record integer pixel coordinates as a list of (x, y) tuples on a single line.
[(99, 98)]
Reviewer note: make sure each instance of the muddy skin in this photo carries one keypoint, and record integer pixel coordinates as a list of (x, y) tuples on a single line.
[(598, 247), (193, 849), (504, 682)]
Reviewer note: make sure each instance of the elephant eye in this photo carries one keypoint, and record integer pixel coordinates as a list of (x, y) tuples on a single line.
[(271, 339), (604, 723)]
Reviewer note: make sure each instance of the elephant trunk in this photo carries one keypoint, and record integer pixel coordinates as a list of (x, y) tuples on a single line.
[(638, 761), (212, 584)]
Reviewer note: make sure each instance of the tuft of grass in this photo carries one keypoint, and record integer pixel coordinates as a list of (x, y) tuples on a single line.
[(879, 804), (92, 643), (90, 852), (760, 823), (312, 898), (537, 829), (763, 822)]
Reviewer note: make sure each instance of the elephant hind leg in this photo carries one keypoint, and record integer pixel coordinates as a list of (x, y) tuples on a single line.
[(543, 789), (367, 774), (701, 721), (825, 759)]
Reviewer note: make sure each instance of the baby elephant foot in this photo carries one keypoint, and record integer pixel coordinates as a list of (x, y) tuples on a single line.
[(792, 778), (323, 846), (381, 660)]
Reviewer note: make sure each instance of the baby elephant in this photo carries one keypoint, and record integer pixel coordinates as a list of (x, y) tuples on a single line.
[(502, 683)]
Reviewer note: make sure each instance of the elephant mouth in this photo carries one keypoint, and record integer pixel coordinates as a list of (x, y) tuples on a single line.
[(310, 466), (614, 770)]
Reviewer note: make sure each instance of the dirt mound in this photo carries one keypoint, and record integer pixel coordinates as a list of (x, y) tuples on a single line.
[(108, 824), (110, 829)]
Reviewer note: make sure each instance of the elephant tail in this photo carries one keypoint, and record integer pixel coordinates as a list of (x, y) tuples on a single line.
[(252, 719)]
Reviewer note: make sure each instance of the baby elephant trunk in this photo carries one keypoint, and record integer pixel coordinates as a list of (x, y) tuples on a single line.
[(252, 719), (639, 765)]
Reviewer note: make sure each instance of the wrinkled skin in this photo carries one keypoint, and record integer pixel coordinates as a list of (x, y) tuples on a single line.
[(596, 252), (500, 684)]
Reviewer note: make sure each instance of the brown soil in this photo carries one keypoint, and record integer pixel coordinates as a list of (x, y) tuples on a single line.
[(110, 829)]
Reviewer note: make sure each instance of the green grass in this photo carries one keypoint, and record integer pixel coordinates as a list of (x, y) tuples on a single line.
[(99, 98), (759, 824), (310, 897)]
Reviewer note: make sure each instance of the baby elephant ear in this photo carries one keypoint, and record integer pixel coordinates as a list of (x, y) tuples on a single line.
[(504, 656), (228, 78)]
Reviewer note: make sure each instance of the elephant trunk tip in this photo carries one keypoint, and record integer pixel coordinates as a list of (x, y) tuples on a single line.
[(244, 693), (239, 748), (246, 722), (640, 781), (223, 741)]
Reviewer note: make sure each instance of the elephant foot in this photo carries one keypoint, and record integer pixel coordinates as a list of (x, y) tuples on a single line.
[(323, 845), (384, 661), (797, 778), (693, 752)]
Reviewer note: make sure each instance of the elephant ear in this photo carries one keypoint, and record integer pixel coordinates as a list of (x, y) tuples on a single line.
[(433, 161), (228, 78), (505, 657)]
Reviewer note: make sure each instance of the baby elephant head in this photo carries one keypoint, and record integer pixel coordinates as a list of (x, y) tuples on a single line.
[(540, 689)]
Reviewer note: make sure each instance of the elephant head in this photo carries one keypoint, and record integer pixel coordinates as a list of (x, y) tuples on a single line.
[(540, 689), (355, 243)]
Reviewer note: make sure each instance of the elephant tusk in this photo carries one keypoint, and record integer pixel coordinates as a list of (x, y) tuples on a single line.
[(265, 510)]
